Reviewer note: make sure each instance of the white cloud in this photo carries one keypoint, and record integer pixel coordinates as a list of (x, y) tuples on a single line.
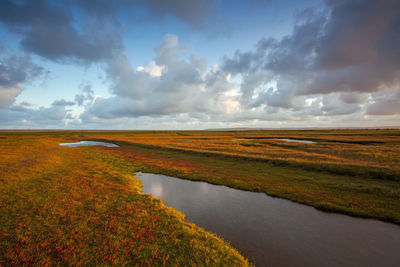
[(153, 70), (169, 85)]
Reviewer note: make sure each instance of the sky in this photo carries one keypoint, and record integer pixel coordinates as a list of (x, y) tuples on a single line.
[(204, 64)]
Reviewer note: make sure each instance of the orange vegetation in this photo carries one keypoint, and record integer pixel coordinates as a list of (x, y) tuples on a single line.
[(83, 206)]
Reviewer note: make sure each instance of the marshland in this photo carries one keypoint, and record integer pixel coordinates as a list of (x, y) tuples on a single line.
[(200, 133), (90, 204)]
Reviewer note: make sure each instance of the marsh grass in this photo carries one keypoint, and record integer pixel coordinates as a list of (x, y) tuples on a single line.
[(353, 195), (340, 173), (83, 206)]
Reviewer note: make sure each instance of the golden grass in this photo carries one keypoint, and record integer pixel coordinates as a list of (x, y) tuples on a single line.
[(83, 206)]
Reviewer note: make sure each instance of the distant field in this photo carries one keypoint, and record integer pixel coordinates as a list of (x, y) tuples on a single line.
[(83, 205)]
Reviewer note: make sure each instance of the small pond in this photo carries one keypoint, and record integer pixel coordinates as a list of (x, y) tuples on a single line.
[(89, 143), (278, 232), (280, 139), (296, 140)]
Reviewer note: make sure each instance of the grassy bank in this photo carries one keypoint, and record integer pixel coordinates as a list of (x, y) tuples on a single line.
[(83, 206), (356, 172), (353, 195)]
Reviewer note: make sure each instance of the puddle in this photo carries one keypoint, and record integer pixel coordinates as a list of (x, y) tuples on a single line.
[(89, 143), (296, 140), (281, 139)]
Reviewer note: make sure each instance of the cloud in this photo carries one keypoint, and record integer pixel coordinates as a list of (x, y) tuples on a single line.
[(384, 103), (24, 116), (63, 102), (15, 71), (339, 61), (182, 87), (351, 48), (332, 105), (86, 97), (353, 98), (195, 13), (47, 30)]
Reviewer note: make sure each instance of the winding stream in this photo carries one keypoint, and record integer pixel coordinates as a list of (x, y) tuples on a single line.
[(275, 231)]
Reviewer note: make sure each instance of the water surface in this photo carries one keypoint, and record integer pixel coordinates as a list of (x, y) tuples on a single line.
[(296, 140), (281, 139), (89, 143), (278, 232)]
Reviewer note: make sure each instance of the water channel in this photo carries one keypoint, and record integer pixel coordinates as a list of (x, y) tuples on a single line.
[(275, 231)]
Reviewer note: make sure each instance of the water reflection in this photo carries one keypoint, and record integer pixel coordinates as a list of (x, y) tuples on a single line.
[(156, 190), (89, 143), (273, 231), (296, 140)]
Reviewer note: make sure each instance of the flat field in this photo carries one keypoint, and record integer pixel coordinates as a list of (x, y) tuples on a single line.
[(83, 205)]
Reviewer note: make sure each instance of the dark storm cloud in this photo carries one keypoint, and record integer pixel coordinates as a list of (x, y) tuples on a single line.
[(353, 48)]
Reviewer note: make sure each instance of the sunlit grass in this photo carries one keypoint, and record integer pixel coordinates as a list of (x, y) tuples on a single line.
[(355, 172), (83, 206)]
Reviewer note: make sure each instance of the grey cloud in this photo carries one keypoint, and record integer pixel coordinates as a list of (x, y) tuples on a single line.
[(274, 99), (354, 31), (250, 83), (86, 95), (333, 106), (15, 71), (199, 62), (22, 116), (328, 105), (25, 104), (167, 53), (48, 29), (351, 47), (242, 62), (353, 98), (385, 103), (194, 12), (63, 102), (79, 98)]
